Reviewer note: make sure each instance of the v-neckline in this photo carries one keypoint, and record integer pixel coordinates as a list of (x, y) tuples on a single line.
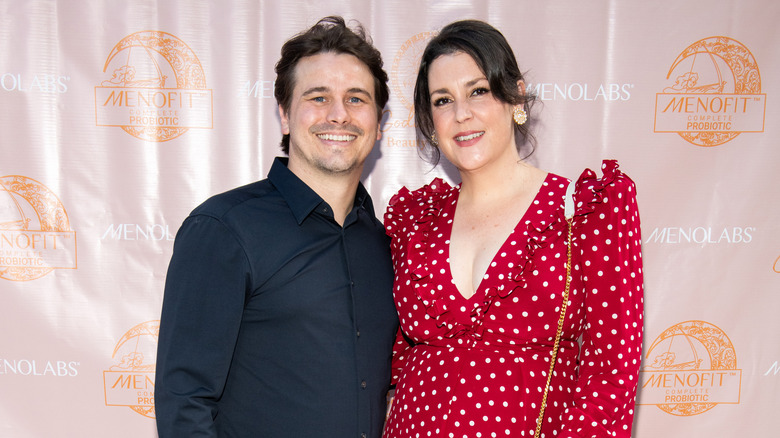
[(448, 238)]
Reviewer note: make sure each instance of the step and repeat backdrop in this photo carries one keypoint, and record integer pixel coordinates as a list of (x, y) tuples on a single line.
[(117, 118)]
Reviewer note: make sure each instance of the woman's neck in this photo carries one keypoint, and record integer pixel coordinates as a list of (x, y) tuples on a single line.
[(499, 182)]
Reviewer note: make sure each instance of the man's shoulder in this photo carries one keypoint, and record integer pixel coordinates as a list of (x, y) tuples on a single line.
[(221, 205)]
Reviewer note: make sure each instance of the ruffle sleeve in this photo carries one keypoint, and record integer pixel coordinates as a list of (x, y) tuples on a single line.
[(407, 221), (607, 234), (408, 210)]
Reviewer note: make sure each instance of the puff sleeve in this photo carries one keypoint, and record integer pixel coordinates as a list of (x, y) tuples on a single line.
[(609, 260)]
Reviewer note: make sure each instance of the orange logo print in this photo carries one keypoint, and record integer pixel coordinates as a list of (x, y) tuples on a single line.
[(689, 369), (404, 74), (714, 93), (130, 381), (155, 89), (35, 235)]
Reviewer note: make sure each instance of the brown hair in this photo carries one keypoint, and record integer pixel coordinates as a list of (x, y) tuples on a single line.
[(494, 57), (330, 34)]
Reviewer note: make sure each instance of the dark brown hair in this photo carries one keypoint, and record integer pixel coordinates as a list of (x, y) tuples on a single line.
[(494, 57), (330, 34)]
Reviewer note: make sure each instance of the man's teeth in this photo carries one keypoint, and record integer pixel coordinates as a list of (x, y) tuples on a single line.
[(470, 136), (333, 137)]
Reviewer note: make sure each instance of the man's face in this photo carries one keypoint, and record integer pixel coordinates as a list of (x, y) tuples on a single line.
[(332, 121)]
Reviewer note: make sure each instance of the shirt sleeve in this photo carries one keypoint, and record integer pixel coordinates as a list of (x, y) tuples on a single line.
[(205, 291), (611, 268)]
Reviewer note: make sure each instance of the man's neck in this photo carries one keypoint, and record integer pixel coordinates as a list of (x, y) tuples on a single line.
[(338, 190)]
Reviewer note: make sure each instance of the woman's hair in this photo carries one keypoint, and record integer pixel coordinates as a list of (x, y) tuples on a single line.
[(492, 54)]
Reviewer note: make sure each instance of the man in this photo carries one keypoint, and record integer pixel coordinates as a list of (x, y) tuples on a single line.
[(278, 318)]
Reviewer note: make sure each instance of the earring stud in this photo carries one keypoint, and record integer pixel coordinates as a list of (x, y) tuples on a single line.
[(519, 115)]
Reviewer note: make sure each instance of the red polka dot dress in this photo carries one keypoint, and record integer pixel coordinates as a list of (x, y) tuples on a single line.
[(477, 367)]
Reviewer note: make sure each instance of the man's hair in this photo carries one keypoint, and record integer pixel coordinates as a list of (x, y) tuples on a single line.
[(330, 34)]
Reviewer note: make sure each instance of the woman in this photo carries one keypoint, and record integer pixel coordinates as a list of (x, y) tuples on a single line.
[(481, 268)]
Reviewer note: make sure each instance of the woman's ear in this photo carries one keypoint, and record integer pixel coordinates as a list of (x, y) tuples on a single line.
[(521, 87)]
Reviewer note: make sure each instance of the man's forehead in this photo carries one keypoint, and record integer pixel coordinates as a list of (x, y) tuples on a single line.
[(326, 71)]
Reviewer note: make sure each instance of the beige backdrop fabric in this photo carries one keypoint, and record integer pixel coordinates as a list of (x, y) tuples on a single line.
[(117, 118)]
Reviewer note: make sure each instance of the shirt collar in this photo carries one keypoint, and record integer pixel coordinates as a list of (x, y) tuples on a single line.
[(363, 200), (301, 199)]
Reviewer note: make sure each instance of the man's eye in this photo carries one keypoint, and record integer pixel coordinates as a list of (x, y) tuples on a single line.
[(355, 100), (318, 99)]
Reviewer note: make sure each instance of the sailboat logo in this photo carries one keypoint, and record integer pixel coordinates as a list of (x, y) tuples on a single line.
[(689, 369), (713, 93), (35, 235), (154, 89), (130, 381), (405, 65), (12, 215)]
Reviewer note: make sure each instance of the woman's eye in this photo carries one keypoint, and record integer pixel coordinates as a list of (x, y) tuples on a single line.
[(480, 91), (441, 101)]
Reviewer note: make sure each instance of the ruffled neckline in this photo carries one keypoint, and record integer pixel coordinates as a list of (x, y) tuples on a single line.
[(541, 231)]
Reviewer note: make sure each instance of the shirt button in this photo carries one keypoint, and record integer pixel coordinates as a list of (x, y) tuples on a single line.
[(363, 384), (358, 333), (363, 435)]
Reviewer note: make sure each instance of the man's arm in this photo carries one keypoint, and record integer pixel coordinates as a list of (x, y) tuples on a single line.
[(202, 307)]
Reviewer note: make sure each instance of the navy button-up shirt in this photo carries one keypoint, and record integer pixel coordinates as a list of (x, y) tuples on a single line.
[(276, 320)]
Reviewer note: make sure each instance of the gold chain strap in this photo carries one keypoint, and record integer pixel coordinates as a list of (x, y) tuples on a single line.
[(557, 335)]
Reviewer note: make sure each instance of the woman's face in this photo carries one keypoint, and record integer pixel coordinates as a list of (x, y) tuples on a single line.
[(473, 128)]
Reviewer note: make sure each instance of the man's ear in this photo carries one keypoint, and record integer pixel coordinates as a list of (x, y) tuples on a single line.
[(285, 121)]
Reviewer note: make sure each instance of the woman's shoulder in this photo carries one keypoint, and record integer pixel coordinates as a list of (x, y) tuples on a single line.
[(612, 193), (407, 206), (611, 176), (591, 188)]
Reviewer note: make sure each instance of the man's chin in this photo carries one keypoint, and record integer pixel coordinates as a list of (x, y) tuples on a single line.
[(339, 167)]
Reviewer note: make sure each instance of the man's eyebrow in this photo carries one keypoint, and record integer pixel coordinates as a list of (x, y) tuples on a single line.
[(325, 89), (359, 90), (313, 90)]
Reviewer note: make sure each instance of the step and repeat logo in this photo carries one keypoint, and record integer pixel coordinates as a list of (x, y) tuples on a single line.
[(403, 76), (714, 93), (36, 83), (155, 88), (149, 232), (578, 91), (702, 235), (130, 381), (35, 234), (39, 368), (689, 369)]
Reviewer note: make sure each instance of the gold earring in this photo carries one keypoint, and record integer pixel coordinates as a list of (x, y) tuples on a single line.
[(434, 140), (519, 115)]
